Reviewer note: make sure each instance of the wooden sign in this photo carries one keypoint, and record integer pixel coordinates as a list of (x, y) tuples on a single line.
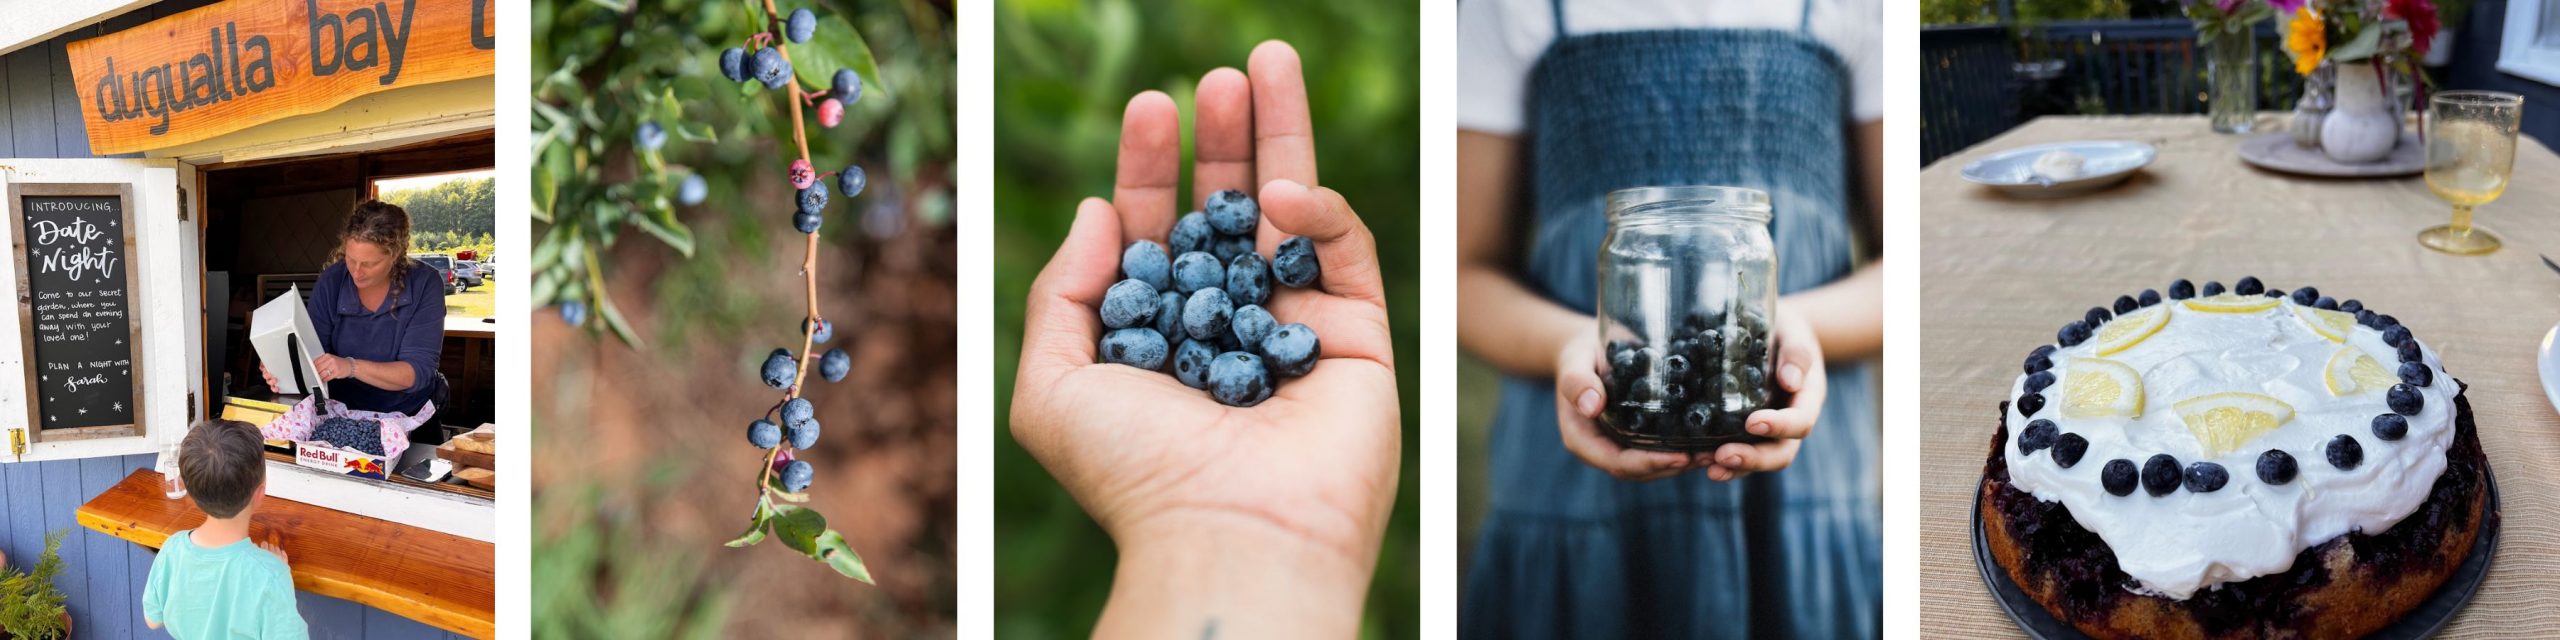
[(76, 299), (236, 64)]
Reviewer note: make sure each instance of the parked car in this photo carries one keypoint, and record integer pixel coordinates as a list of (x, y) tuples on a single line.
[(444, 267), (489, 268), (469, 273)]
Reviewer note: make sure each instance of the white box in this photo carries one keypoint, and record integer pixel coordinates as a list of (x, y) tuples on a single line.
[(276, 330)]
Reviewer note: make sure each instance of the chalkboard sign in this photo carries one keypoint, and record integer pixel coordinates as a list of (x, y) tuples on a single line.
[(76, 295)]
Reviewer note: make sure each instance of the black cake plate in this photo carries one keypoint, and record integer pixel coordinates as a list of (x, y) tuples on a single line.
[(2421, 622)]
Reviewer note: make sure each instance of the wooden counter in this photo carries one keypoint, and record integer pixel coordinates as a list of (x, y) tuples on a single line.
[(446, 581)]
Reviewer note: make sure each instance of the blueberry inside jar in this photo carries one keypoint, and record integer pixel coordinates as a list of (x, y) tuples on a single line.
[(1688, 279)]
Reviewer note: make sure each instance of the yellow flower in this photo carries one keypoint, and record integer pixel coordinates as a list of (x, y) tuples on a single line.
[(2307, 39)]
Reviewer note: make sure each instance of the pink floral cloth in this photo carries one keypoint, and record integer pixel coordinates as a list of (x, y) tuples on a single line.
[(296, 424)]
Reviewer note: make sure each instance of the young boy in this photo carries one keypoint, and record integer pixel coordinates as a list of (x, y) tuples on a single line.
[(224, 585)]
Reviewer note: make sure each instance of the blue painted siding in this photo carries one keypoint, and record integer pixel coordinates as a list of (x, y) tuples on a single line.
[(103, 576)]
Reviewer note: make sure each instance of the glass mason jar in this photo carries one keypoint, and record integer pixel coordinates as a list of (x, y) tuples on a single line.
[(1688, 278)]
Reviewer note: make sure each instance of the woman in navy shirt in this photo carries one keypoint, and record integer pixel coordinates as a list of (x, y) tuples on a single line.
[(380, 316)]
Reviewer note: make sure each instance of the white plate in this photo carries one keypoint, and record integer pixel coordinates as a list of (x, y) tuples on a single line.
[(2277, 152), (2103, 164), (2550, 365)]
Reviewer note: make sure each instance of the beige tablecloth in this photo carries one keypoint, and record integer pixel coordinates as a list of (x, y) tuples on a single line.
[(1999, 276)]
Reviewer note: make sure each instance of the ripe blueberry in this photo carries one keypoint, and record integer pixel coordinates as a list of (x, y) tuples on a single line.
[(2038, 381), (2206, 477), (2249, 286), (1252, 323), (1169, 315), (2038, 435), (806, 222), (2345, 453), (770, 68), (2069, 449), (1227, 247), (2149, 297), (798, 411), (826, 331), (813, 198), (2118, 476), (1294, 264), (1291, 350), (2182, 289), (848, 87), (650, 137), (2029, 404), (779, 369), (2404, 399), (850, 181), (1238, 379), (693, 190), (2073, 334), (1197, 270), (1233, 213), (733, 64), (2390, 426), (2097, 316), (834, 364), (1192, 233), (1249, 279), (2417, 374), (2351, 306), (2276, 467), (796, 476), (1207, 313), (1191, 363), (2160, 475), (2395, 335), (574, 313), (1130, 303), (2306, 296), (1146, 261), (2211, 288), (803, 435), (801, 25), (1139, 347), (2126, 304), (764, 434)]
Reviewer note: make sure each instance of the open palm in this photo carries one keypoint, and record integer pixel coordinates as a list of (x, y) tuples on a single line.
[(1146, 455)]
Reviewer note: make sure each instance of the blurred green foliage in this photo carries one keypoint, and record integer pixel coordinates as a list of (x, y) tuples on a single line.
[(1934, 12), (1064, 71), (603, 67), (584, 587)]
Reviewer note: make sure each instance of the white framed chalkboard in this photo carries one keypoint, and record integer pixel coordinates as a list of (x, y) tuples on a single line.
[(78, 295)]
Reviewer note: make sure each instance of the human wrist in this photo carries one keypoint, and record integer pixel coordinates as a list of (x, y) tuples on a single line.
[(1236, 578)]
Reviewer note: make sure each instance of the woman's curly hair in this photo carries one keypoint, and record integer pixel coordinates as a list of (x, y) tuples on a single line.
[(380, 224)]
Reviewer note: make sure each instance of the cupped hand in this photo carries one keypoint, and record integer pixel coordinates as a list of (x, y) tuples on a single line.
[(1148, 457), (1580, 399)]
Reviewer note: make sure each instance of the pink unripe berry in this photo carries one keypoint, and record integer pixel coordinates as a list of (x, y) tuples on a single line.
[(801, 175), (830, 112)]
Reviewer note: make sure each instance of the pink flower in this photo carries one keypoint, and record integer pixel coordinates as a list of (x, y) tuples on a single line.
[(2421, 16), (2286, 7)]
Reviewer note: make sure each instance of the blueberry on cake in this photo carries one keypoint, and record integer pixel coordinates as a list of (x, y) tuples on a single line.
[(2233, 463)]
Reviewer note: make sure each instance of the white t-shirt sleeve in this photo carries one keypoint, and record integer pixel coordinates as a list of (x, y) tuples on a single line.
[(1865, 58), (1495, 54)]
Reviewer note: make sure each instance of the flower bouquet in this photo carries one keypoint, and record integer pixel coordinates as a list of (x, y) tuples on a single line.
[(2363, 42)]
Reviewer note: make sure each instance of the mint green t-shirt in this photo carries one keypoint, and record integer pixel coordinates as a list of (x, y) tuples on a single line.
[(235, 590)]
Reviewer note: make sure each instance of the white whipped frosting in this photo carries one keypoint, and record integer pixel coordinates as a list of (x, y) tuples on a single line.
[(2179, 543)]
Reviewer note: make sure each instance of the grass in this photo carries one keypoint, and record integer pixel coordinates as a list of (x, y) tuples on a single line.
[(479, 302)]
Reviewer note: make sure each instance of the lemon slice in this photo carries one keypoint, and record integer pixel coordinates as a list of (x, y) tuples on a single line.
[(2094, 387), (2351, 372), (2329, 324), (2130, 329), (2225, 422), (2232, 303)]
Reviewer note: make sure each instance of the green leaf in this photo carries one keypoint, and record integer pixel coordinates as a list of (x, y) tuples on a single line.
[(670, 110), (661, 222), (613, 320), (837, 46), (2359, 47), (798, 527), (833, 550), (755, 526), (700, 133)]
